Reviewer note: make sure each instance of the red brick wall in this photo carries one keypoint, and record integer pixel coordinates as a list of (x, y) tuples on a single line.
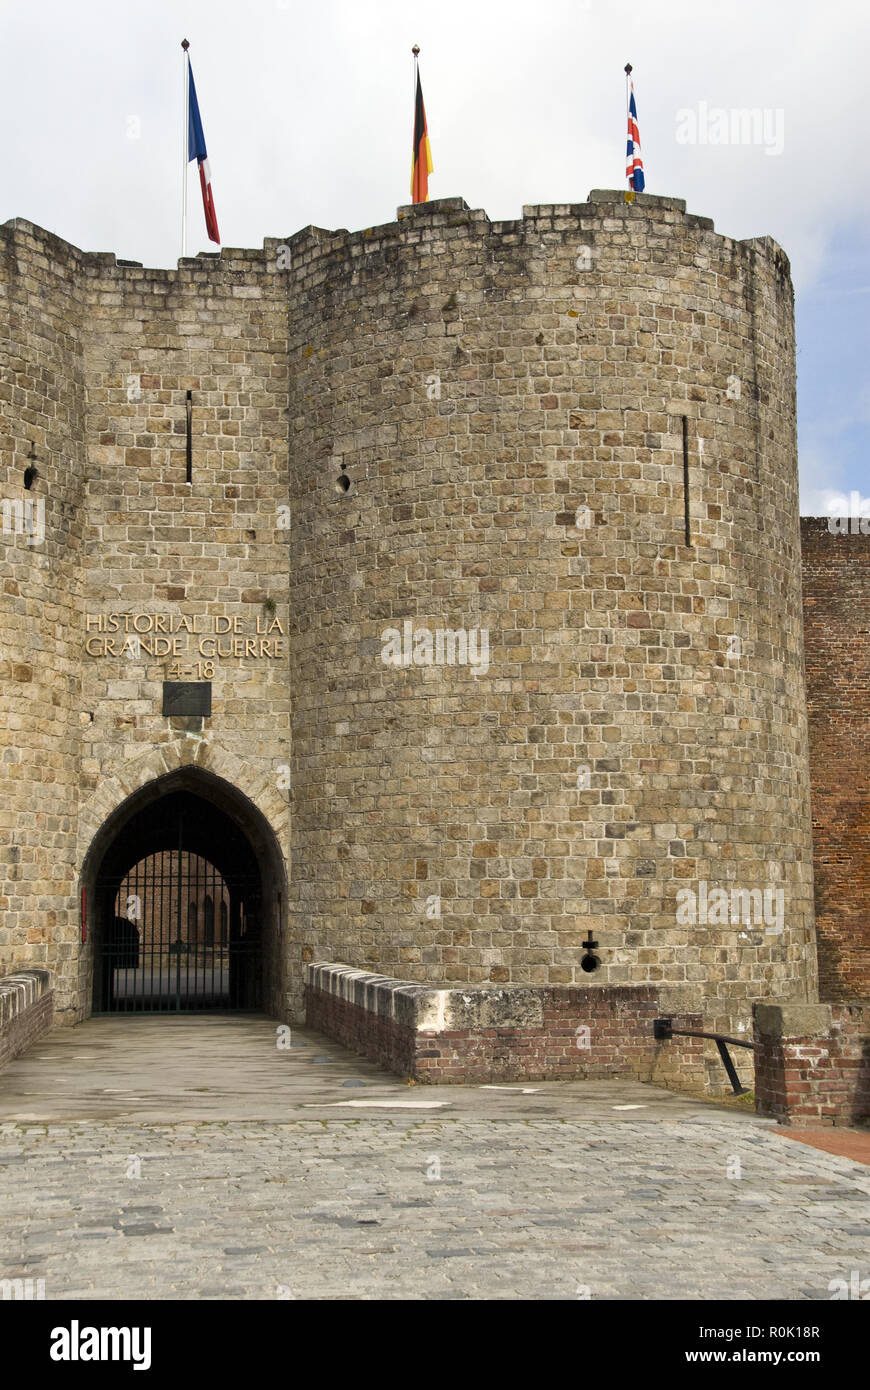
[(24, 1027), (621, 1043), (813, 1067), (381, 1039), (836, 596), (620, 1023)]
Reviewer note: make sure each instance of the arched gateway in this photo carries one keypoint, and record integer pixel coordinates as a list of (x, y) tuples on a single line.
[(183, 897)]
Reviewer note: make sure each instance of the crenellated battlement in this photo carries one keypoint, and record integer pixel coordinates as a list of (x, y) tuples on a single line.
[(415, 225)]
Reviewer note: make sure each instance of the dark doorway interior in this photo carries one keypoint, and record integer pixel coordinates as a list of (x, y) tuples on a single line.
[(179, 905)]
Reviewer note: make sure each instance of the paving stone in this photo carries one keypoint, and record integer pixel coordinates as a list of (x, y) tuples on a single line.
[(271, 1194)]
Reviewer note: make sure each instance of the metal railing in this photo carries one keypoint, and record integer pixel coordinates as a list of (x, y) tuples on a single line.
[(663, 1029)]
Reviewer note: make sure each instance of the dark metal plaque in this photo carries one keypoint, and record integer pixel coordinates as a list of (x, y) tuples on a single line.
[(187, 697)]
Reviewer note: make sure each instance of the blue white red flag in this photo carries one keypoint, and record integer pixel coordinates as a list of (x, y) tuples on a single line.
[(633, 161), (196, 150)]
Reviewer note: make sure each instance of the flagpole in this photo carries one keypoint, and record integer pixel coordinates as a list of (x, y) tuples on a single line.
[(414, 78), (185, 45), (629, 192)]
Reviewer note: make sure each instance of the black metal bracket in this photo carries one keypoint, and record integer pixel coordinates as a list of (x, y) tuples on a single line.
[(663, 1029), (589, 961)]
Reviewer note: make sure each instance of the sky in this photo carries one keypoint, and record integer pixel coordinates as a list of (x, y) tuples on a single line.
[(307, 111)]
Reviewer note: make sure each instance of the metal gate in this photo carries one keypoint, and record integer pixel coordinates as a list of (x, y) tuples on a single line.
[(177, 933)]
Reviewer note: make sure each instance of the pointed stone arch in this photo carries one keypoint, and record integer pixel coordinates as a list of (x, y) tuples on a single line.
[(188, 751), (206, 770)]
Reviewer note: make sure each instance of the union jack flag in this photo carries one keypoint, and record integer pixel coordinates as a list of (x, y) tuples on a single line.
[(633, 161)]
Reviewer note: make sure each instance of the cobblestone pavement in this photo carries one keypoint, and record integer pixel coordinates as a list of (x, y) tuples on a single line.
[(667, 1199)]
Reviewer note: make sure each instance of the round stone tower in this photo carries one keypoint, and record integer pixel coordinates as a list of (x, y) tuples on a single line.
[(546, 644)]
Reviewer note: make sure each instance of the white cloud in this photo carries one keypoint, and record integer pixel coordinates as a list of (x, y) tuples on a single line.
[(307, 113), (828, 502)]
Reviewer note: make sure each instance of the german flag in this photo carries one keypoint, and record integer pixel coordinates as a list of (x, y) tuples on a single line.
[(421, 166)]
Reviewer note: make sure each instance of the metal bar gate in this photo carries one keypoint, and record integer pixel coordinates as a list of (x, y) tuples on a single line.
[(177, 936)]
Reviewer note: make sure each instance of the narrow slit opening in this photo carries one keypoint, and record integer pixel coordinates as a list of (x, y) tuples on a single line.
[(189, 403), (686, 512)]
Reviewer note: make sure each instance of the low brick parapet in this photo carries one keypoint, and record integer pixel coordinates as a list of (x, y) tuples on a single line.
[(26, 1010), (507, 1033), (813, 1063)]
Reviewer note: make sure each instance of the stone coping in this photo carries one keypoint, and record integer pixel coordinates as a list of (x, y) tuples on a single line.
[(798, 1019), (422, 1008), (20, 990)]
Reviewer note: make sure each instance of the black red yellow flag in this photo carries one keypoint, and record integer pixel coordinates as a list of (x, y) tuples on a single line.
[(421, 166)]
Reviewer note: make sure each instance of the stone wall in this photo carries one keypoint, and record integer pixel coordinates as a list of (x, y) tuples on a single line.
[(464, 427), (641, 726), (836, 590), (26, 1011), (513, 1033), (100, 356), (42, 426), (813, 1066), (215, 547)]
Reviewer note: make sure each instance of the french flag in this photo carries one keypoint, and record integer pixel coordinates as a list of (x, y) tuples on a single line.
[(196, 150)]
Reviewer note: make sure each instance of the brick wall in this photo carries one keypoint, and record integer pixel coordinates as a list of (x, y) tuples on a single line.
[(836, 597), (813, 1067), (26, 1011), (620, 1024), (386, 1040), (512, 1034)]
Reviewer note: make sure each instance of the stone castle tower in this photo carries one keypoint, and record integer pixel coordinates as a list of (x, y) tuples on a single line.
[(559, 450)]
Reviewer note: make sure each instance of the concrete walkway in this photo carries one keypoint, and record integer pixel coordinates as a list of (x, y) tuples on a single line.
[(171, 1068), (191, 1158)]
